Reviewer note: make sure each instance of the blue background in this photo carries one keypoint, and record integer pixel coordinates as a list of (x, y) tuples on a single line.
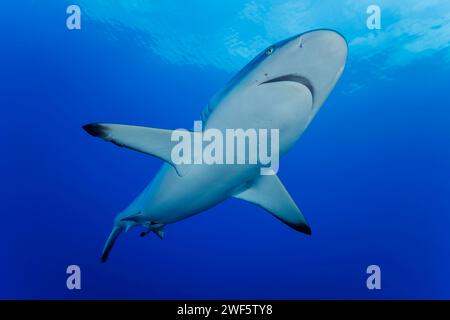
[(371, 174)]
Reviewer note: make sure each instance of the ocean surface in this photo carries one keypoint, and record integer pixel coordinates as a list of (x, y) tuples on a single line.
[(371, 173)]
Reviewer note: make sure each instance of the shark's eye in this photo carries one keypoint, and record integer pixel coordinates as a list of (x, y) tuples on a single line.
[(269, 51)]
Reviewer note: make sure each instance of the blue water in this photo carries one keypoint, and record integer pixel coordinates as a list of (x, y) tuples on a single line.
[(371, 174)]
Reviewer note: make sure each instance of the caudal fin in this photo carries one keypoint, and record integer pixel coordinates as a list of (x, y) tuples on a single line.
[(116, 231)]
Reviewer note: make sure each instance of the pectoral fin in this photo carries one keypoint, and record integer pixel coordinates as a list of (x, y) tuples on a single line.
[(152, 141), (269, 193)]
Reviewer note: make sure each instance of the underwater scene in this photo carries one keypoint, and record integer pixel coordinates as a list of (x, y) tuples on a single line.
[(370, 174)]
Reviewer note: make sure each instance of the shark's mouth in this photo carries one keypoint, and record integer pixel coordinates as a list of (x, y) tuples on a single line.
[(293, 78)]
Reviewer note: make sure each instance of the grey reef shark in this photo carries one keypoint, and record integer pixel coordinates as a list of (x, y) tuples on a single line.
[(282, 88)]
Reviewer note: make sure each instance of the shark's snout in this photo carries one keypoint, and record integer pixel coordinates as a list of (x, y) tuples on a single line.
[(333, 45), (323, 38)]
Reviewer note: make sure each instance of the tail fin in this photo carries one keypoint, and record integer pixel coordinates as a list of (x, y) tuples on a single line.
[(116, 231)]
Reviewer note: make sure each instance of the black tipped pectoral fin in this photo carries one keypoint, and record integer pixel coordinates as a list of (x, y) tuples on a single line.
[(95, 130), (269, 193), (152, 141)]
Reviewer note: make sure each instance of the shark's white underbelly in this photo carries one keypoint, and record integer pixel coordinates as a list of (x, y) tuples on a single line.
[(170, 198)]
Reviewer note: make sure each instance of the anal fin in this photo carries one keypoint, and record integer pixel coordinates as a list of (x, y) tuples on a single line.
[(159, 232)]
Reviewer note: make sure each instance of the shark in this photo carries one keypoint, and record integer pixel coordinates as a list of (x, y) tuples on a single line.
[(283, 87)]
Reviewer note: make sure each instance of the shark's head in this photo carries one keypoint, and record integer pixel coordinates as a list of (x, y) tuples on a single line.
[(316, 59)]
